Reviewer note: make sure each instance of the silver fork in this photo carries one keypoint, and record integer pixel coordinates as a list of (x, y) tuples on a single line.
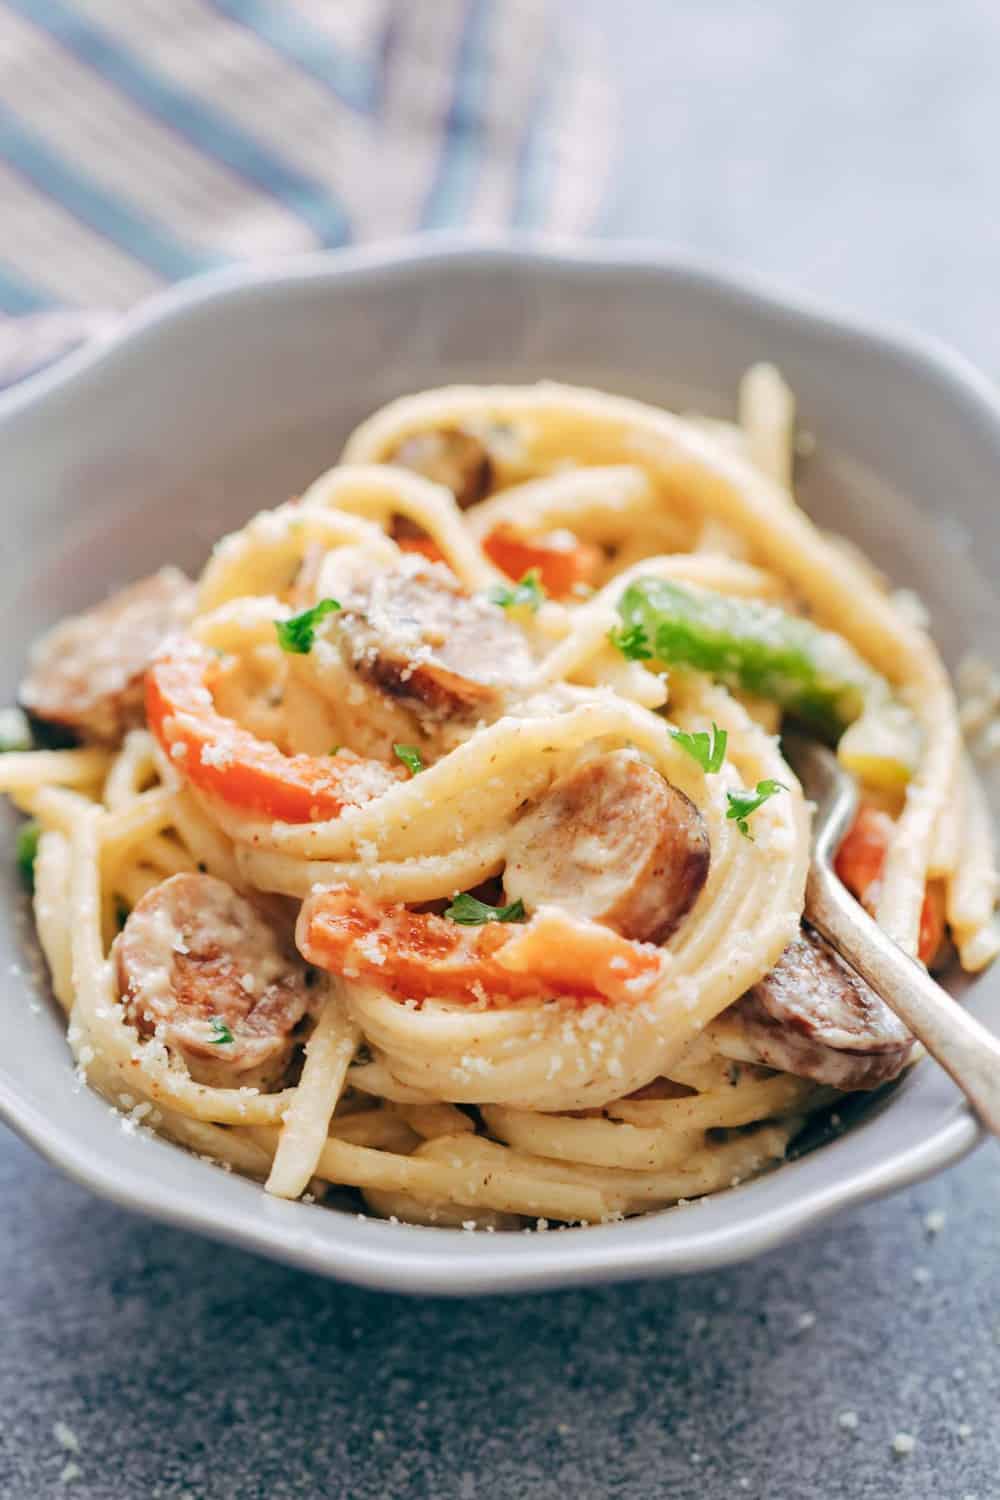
[(962, 1045)]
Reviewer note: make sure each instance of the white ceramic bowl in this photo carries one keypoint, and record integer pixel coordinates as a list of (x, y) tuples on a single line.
[(231, 393)]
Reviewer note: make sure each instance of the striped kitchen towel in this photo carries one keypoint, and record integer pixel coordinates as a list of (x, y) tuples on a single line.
[(142, 141)]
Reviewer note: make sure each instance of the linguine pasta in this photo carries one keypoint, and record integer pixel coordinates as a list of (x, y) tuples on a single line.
[(444, 863)]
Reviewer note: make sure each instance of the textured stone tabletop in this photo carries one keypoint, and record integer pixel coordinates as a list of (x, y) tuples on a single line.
[(850, 151)]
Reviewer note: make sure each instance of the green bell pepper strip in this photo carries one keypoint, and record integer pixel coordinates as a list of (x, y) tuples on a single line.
[(756, 648)]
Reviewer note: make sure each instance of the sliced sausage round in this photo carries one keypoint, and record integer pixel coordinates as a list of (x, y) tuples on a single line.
[(814, 1017), (203, 970), (87, 673), (615, 842), (418, 636), (448, 456)]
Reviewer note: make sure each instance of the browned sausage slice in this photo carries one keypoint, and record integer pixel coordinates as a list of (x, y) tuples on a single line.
[(614, 842), (416, 634), (448, 456), (814, 1017), (87, 674), (203, 970)]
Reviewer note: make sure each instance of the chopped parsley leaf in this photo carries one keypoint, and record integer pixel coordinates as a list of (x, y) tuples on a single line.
[(709, 750), (470, 912), (745, 802), (529, 593), (297, 634), (223, 1034), (26, 849), (632, 641), (410, 756)]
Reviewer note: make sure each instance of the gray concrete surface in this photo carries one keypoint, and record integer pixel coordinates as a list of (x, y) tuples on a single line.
[(851, 151), (848, 150)]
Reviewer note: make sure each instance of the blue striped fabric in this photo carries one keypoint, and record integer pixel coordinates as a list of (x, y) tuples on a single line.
[(208, 128), (461, 142), (18, 296), (535, 164), (82, 195), (353, 78), (142, 141)]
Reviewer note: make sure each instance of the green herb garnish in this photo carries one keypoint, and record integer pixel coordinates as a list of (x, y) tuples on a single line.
[(410, 756), (743, 803), (528, 593), (471, 912), (121, 914), (297, 634), (26, 848), (632, 641), (709, 750), (223, 1034)]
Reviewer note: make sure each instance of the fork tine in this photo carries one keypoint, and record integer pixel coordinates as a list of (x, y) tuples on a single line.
[(826, 784)]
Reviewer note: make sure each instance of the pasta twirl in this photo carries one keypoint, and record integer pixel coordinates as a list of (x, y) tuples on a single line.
[(455, 859)]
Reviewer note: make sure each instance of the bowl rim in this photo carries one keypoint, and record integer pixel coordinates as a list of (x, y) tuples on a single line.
[(417, 1260), (407, 1262), (441, 248)]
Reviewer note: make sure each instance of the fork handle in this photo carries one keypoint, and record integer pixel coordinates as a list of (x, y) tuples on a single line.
[(962, 1045)]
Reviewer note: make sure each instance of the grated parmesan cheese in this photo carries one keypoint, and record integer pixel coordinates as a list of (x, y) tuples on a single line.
[(218, 756)]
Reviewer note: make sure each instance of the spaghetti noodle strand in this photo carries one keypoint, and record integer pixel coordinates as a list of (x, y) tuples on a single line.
[(304, 1128)]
